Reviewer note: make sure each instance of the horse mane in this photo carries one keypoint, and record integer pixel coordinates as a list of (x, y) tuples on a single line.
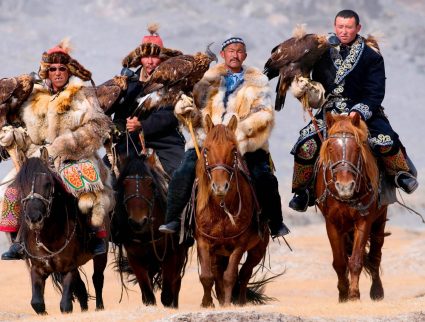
[(139, 165), (25, 175), (343, 124), (216, 138)]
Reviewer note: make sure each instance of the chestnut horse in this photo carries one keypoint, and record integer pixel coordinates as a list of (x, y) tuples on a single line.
[(347, 190), (226, 225), (55, 237), (156, 259)]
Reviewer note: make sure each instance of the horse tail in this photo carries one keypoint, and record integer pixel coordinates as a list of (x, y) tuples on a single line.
[(57, 280), (255, 293)]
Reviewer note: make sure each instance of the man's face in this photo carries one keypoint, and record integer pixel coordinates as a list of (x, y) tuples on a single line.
[(149, 63), (58, 75), (234, 55), (346, 29)]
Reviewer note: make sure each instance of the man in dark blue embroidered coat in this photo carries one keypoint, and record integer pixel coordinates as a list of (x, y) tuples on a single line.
[(354, 81)]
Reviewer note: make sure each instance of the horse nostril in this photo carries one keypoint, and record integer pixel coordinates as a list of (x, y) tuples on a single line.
[(214, 187), (226, 186)]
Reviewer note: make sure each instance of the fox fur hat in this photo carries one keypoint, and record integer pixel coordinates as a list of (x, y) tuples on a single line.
[(151, 45), (60, 55)]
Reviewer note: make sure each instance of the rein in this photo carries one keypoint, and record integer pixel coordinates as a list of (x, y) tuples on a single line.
[(48, 203), (355, 169), (233, 171)]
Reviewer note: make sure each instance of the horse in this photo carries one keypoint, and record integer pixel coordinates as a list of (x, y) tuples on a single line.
[(157, 260), (55, 237), (347, 188), (226, 225)]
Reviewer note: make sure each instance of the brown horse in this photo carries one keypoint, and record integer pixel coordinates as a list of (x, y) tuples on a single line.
[(226, 223), (55, 237), (347, 190), (156, 259)]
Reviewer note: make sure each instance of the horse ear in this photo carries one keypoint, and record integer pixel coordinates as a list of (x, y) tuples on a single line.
[(355, 120), (208, 123), (44, 154), (233, 123), (329, 120)]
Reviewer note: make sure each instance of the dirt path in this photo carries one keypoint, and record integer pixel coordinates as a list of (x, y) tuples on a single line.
[(306, 290)]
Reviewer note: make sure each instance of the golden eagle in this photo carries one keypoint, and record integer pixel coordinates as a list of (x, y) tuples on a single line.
[(13, 93), (108, 92), (175, 76), (295, 57)]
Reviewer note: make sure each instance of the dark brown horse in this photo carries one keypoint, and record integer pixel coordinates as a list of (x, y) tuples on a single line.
[(347, 190), (155, 259), (55, 237), (225, 217)]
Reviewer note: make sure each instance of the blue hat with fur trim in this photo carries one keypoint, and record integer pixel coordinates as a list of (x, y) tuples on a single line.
[(232, 40)]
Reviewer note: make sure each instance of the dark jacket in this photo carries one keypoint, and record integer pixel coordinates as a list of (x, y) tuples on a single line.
[(360, 86)]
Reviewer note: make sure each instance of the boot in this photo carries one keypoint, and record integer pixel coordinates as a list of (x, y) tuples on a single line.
[(170, 228), (98, 246), (302, 200), (279, 230), (15, 252), (406, 182)]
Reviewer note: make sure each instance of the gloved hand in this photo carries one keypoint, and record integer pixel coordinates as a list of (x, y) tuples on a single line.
[(184, 106)]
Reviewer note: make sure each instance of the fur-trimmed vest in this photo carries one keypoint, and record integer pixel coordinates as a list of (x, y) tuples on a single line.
[(250, 102), (70, 123)]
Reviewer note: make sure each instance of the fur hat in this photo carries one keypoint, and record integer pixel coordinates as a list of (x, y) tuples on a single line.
[(60, 55), (151, 46)]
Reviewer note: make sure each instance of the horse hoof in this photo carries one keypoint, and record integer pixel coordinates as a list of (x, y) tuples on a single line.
[(39, 308)]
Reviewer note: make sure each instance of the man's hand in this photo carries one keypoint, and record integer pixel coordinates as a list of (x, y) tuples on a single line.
[(133, 124), (184, 105)]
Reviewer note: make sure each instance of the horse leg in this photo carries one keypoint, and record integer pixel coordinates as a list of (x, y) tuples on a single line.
[(219, 267), (67, 284), (231, 273), (355, 263), (145, 282), (80, 291), (206, 276), (339, 260), (99, 265), (38, 282), (375, 255), (255, 255)]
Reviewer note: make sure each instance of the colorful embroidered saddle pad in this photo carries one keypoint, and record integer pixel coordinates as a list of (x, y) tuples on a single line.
[(11, 210), (80, 176)]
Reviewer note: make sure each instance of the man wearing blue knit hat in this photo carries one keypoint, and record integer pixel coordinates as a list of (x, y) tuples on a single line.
[(235, 90)]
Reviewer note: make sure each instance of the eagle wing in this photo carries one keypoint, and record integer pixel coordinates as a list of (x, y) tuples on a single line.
[(170, 73), (14, 91), (108, 92)]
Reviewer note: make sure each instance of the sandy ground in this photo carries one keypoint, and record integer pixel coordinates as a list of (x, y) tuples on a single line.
[(307, 290)]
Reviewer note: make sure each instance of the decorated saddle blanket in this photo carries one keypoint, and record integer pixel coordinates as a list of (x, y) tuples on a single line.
[(80, 176)]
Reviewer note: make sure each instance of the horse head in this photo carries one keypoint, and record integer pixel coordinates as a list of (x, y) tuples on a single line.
[(36, 182), (139, 186), (347, 157), (220, 155)]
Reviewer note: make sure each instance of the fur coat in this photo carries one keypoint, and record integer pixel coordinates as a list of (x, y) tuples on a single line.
[(250, 102), (71, 123)]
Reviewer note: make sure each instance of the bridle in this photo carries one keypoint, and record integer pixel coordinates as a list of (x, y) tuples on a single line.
[(137, 194), (355, 168), (36, 196)]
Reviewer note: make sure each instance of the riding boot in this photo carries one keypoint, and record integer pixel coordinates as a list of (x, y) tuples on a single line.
[(267, 191), (179, 191), (99, 240), (16, 250), (402, 169), (302, 186)]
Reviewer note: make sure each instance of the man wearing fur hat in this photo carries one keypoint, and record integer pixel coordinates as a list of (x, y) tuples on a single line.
[(354, 81), (234, 89), (64, 116), (157, 124)]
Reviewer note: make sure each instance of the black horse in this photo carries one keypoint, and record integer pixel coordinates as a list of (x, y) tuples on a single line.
[(157, 260), (55, 237)]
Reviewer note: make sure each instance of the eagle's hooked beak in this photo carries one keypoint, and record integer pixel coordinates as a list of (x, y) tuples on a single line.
[(333, 40)]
